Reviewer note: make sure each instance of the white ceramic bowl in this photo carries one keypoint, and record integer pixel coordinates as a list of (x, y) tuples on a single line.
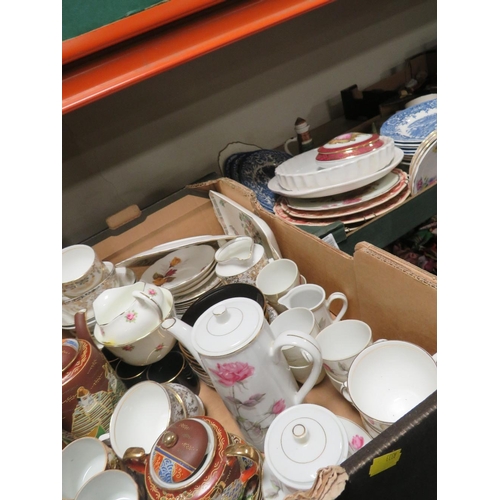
[(305, 172), (141, 415)]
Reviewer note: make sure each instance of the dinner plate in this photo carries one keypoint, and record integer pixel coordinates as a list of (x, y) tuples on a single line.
[(338, 188), (149, 257), (350, 198), (180, 267), (237, 220), (364, 216), (341, 211), (232, 149), (414, 123)]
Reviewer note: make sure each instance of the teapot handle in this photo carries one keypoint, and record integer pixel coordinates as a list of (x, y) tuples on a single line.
[(247, 451), (148, 301), (307, 343)]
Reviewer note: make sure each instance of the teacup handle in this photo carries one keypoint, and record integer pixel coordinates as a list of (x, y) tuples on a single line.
[(308, 344), (337, 296), (345, 392), (289, 141)]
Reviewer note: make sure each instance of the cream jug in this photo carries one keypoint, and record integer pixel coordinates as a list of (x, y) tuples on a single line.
[(235, 345)]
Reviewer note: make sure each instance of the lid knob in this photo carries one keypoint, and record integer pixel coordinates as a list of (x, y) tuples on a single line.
[(169, 439), (221, 314), (300, 434)]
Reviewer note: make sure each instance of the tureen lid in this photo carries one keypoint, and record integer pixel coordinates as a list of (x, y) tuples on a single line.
[(180, 453), (301, 440), (227, 326)]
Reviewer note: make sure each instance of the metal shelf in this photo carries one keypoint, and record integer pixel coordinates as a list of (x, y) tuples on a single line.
[(101, 74)]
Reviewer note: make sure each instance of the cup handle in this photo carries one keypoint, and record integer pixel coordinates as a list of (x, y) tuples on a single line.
[(337, 296), (345, 392), (105, 439), (308, 344), (287, 142)]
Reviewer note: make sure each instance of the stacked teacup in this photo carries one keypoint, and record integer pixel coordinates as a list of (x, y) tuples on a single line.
[(84, 277)]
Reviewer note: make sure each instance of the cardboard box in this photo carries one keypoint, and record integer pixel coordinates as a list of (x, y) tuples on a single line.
[(398, 300)]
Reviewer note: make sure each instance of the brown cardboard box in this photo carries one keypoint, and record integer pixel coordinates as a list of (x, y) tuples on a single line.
[(398, 300)]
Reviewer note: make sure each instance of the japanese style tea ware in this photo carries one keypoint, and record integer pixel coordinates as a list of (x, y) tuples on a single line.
[(235, 345), (90, 388), (196, 459)]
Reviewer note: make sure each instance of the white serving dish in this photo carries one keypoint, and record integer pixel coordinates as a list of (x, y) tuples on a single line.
[(305, 172)]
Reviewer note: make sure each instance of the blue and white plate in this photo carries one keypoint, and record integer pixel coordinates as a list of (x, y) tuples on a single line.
[(256, 169), (412, 124)]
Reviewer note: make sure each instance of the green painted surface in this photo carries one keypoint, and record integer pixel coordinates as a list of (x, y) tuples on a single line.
[(82, 16)]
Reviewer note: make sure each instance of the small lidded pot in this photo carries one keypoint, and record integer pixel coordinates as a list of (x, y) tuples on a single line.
[(196, 458), (300, 441)]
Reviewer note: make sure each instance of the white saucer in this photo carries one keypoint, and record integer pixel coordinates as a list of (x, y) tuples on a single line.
[(356, 435), (275, 186)]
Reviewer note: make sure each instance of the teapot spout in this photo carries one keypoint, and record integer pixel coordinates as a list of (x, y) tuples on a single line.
[(182, 332)]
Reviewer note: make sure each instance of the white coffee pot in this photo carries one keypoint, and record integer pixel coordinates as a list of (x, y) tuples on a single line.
[(235, 345)]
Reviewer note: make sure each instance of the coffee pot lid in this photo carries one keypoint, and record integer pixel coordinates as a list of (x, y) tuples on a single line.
[(227, 326), (303, 439), (178, 456)]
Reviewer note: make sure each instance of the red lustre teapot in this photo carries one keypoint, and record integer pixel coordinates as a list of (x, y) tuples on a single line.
[(195, 459), (90, 389)]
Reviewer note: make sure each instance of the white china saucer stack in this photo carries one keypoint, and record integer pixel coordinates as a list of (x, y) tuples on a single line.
[(187, 273)]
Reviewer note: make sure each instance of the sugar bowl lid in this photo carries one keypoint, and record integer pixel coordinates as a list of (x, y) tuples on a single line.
[(301, 440), (181, 454), (348, 145)]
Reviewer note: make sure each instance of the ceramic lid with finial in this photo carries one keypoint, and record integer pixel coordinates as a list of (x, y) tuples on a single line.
[(349, 145), (181, 454), (301, 440), (227, 326)]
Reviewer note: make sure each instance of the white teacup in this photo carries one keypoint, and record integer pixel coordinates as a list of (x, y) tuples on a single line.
[(110, 485), (314, 298), (340, 343), (387, 380), (82, 459), (276, 279), (82, 270), (303, 320)]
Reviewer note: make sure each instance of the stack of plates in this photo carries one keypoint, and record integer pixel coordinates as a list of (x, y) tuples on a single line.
[(187, 273), (411, 126), (423, 166), (349, 208)]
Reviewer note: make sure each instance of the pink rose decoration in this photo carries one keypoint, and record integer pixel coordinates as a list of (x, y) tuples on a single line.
[(278, 407), (231, 373), (357, 442), (130, 316), (152, 292)]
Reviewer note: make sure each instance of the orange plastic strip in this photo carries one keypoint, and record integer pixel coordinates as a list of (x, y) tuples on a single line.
[(102, 75), (100, 38)]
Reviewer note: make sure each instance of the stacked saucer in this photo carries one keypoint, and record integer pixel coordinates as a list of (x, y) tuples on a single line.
[(187, 273)]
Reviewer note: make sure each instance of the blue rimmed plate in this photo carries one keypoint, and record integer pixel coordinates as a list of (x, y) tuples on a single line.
[(413, 124)]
